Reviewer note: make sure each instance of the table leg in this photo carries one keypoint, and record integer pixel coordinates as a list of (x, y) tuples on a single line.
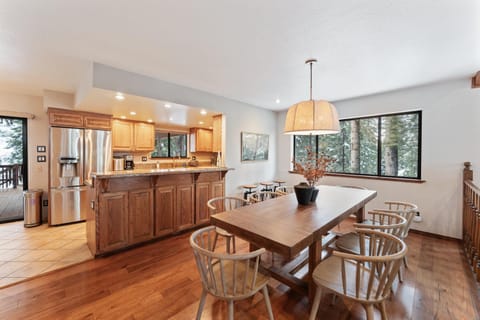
[(360, 214), (314, 258)]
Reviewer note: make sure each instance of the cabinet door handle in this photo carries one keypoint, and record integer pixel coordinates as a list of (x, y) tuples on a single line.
[(92, 204)]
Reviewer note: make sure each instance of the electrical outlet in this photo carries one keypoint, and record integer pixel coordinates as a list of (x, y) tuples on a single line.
[(45, 203), (418, 217), (144, 158)]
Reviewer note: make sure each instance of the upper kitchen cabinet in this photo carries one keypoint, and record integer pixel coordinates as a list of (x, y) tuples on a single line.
[(144, 136), (217, 133), (201, 140), (79, 119), (132, 136), (122, 135), (98, 122)]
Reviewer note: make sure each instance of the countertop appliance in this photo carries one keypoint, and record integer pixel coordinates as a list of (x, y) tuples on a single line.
[(74, 155), (129, 164), (118, 164)]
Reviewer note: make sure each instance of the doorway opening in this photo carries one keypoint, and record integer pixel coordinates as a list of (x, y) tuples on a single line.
[(13, 167)]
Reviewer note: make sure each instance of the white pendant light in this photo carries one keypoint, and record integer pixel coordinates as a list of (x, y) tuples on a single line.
[(312, 116)]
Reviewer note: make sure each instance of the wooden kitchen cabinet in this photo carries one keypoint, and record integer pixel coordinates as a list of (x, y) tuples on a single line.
[(217, 133), (185, 214), (79, 119), (165, 200), (97, 122), (65, 118), (203, 193), (113, 217), (208, 185), (132, 136), (144, 136), (122, 135), (131, 208), (140, 216), (201, 140)]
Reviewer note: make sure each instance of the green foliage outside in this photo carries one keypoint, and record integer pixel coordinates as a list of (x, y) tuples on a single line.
[(11, 131), (398, 144), (170, 145)]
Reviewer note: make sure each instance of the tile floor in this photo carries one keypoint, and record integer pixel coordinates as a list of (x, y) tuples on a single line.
[(27, 252)]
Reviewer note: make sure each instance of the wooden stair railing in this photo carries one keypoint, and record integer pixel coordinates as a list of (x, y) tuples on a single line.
[(471, 219)]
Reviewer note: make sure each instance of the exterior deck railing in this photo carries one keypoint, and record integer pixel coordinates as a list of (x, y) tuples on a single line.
[(10, 175)]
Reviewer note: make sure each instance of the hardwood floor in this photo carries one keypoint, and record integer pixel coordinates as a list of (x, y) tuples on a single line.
[(160, 281)]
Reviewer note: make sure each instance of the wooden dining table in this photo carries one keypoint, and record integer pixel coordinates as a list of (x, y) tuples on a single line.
[(283, 226)]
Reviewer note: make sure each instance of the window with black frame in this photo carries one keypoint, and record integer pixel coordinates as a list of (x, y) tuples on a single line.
[(170, 145), (385, 145)]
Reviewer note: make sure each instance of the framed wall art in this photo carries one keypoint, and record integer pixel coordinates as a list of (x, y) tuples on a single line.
[(254, 146)]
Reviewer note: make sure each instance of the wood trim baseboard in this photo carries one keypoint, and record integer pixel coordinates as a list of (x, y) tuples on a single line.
[(434, 235)]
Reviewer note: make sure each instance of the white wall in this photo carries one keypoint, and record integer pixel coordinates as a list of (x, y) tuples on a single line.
[(238, 117), (37, 135), (450, 132)]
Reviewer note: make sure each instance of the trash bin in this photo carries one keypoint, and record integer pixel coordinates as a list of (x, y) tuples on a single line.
[(32, 208)]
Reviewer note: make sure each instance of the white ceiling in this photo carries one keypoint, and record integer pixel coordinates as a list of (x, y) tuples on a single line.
[(252, 51)]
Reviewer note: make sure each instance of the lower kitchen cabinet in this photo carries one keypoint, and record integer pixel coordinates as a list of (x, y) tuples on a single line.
[(140, 216), (128, 210), (203, 193), (185, 214), (164, 210), (208, 186), (113, 218)]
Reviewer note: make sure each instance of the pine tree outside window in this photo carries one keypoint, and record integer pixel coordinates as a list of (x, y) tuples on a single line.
[(170, 145), (384, 145)]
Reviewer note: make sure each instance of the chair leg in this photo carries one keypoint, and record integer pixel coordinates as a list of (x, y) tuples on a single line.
[(370, 313), (267, 302), (233, 243), (316, 303), (215, 241), (383, 310), (230, 310), (201, 304), (400, 277), (405, 262)]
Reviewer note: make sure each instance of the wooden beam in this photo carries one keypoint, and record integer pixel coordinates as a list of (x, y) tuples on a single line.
[(476, 80)]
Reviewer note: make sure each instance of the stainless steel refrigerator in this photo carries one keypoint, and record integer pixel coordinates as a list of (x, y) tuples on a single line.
[(74, 155)]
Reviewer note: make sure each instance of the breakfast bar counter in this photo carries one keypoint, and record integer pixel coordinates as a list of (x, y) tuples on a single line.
[(134, 206)]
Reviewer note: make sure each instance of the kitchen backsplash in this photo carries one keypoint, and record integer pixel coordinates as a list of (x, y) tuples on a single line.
[(203, 158)]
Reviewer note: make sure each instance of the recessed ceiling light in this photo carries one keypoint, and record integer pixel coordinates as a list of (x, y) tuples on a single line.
[(133, 113), (171, 118), (119, 96), (277, 101), (203, 112), (123, 117), (150, 120), (200, 122), (167, 105)]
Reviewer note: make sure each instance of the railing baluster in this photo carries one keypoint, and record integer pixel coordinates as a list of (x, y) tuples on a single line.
[(471, 220)]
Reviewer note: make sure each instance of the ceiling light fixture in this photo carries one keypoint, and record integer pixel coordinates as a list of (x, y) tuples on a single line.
[(133, 113), (119, 96), (167, 106), (312, 116), (277, 101), (200, 122), (123, 117), (203, 112), (149, 120)]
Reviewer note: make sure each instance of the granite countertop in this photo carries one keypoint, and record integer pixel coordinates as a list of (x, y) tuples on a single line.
[(150, 172)]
